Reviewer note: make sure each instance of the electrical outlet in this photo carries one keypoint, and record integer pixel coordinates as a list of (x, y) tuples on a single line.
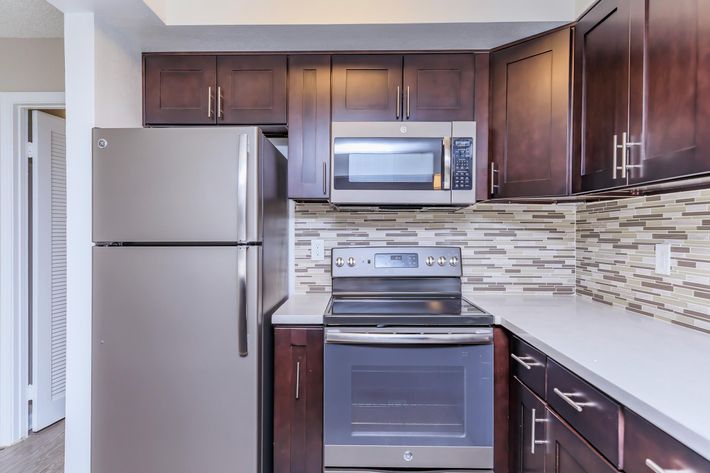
[(317, 250), (663, 258)]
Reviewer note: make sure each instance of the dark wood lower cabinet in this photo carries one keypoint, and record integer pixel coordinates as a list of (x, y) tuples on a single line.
[(568, 452), (298, 400), (528, 430)]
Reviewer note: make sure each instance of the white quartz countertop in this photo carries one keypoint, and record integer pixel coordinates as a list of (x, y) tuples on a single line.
[(658, 370)]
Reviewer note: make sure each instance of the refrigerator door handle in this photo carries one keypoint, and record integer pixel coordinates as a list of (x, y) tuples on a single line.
[(242, 288), (242, 188)]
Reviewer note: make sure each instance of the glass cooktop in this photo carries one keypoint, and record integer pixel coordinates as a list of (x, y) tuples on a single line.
[(411, 311)]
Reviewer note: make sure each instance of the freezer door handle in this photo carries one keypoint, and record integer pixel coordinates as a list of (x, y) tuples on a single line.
[(242, 188), (242, 287)]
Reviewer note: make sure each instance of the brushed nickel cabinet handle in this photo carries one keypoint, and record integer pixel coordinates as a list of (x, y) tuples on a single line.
[(522, 360), (624, 140), (325, 178), (577, 406), (615, 166), (220, 113), (398, 98), (655, 468), (534, 442), (298, 379), (209, 101), (494, 186), (407, 102)]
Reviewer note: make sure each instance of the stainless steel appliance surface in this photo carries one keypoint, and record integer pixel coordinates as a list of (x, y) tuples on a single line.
[(408, 375), (185, 224), (413, 164)]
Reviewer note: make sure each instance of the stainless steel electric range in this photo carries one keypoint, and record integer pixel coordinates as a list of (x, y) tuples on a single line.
[(408, 374)]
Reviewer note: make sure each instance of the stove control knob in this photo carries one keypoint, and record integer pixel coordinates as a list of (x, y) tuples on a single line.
[(339, 262), (442, 260), (453, 261), (351, 261), (429, 260)]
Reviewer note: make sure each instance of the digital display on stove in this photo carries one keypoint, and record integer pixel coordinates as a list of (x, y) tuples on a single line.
[(396, 260)]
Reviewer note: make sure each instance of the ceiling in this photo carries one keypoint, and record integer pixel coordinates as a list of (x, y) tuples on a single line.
[(274, 25), (30, 19)]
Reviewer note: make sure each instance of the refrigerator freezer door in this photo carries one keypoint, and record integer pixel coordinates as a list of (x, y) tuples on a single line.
[(176, 185), (170, 391)]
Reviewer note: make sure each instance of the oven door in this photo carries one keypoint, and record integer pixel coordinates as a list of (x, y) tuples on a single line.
[(391, 163), (408, 398)]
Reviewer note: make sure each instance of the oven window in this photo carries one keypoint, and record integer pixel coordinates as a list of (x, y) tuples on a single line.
[(408, 401), (388, 163), (408, 395)]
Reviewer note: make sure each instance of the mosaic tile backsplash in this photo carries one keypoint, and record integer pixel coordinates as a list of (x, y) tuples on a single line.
[(616, 255), (515, 248)]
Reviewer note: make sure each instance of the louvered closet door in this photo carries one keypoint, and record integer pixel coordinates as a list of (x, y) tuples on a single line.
[(49, 269)]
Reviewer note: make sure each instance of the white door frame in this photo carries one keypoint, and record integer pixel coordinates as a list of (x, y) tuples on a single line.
[(14, 421)]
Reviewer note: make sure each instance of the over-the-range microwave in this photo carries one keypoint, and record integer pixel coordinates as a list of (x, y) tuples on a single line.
[(403, 164)]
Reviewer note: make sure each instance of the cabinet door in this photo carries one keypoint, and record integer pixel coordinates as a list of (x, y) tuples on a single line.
[(438, 87), (298, 400), (528, 425), (179, 90), (253, 90), (568, 452), (601, 94), (367, 88), (676, 92), (530, 117), (309, 127)]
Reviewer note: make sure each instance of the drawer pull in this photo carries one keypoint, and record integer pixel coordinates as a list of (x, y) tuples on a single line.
[(534, 442), (653, 466), (524, 361), (577, 406)]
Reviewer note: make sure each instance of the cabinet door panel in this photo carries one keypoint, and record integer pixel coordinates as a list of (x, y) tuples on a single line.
[(567, 452), (528, 425), (530, 117), (367, 88), (674, 92), (438, 87), (298, 400), (309, 127), (253, 90), (179, 90), (601, 93)]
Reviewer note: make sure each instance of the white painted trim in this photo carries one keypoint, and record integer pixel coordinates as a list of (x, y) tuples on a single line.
[(13, 258)]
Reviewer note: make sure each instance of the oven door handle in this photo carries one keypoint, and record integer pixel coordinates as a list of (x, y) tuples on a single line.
[(365, 338)]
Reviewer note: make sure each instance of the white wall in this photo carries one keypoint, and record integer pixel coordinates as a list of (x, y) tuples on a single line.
[(31, 65), (102, 89)]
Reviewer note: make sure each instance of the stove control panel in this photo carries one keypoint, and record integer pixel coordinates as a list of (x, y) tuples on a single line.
[(417, 261)]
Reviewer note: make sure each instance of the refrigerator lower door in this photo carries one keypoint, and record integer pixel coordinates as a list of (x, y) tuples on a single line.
[(176, 185), (170, 390)]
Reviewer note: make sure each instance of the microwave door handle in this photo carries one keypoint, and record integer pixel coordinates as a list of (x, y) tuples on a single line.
[(447, 163)]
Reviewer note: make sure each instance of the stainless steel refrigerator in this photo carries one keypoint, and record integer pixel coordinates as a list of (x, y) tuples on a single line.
[(190, 260)]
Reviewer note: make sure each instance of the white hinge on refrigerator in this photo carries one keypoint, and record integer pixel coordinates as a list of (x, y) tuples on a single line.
[(31, 149), (31, 392)]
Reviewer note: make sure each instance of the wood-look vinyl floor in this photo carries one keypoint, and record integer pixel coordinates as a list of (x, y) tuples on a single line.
[(42, 452)]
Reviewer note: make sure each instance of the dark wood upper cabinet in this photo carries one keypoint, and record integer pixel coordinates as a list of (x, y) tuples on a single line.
[(367, 88), (530, 118), (253, 90), (438, 87), (298, 400), (309, 127), (601, 94), (568, 452), (528, 429), (179, 90), (673, 80)]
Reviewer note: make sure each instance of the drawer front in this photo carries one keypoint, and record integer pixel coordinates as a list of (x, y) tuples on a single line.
[(589, 411), (647, 449), (528, 365)]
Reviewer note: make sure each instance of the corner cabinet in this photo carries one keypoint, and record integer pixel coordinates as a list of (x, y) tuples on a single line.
[(529, 143), (298, 399), (185, 89), (309, 127)]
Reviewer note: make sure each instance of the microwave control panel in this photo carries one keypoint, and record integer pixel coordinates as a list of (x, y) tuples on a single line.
[(462, 153)]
